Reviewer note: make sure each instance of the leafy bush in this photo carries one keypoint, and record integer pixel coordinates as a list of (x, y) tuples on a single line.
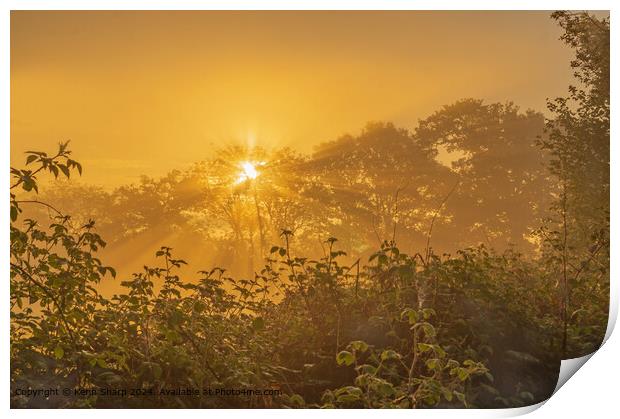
[(475, 329)]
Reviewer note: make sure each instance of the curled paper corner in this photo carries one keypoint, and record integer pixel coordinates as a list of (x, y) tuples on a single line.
[(568, 368), (520, 411)]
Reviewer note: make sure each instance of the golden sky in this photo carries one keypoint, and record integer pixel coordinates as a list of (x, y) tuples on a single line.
[(147, 92)]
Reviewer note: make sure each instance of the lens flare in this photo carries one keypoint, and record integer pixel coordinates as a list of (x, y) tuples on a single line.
[(248, 171)]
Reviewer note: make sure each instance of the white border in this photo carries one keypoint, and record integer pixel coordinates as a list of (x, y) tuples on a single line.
[(592, 394), (306, 5)]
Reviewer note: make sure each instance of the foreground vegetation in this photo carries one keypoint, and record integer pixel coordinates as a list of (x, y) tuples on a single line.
[(475, 329), (401, 331)]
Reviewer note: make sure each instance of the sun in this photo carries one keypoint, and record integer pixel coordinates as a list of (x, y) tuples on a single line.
[(248, 171)]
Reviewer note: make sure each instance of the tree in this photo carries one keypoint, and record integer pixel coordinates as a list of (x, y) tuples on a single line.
[(503, 189), (577, 234), (381, 184)]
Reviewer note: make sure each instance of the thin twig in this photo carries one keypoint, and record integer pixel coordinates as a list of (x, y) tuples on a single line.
[(430, 230)]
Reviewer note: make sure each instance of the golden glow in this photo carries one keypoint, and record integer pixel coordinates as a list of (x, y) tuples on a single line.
[(248, 171), (270, 80)]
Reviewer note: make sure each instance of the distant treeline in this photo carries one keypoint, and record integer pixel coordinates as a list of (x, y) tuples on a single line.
[(475, 170)]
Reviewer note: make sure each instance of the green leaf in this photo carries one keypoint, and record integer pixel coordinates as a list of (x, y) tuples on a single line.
[(410, 314), (429, 330), (345, 358), (366, 369), (358, 346), (389, 354), (463, 374), (30, 159), (59, 352), (297, 400), (27, 184), (349, 394), (428, 312), (384, 388), (424, 347), (433, 363), (65, 170)]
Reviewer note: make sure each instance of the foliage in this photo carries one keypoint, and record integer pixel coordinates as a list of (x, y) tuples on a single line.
[(576, 234), (286, 328)]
